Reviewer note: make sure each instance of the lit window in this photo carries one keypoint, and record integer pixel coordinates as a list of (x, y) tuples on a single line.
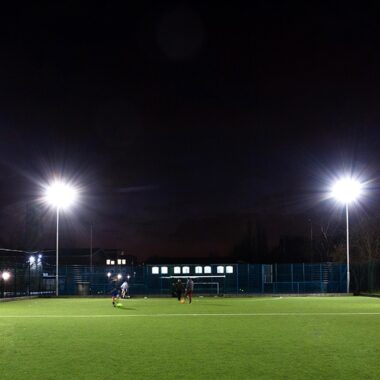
[(108, 262), (207, 270), (118, 262), (112, 262), (220, 269), (177, 270), (185, 270), (155, 270), (229, 269), (123, 262), (198, 270), (164, 270)]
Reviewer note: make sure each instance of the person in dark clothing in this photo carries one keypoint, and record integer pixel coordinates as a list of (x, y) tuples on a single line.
[(115, 297), (179, 289), (189, 289)]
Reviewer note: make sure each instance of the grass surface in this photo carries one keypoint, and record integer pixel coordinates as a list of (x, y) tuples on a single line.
[(213, 338)]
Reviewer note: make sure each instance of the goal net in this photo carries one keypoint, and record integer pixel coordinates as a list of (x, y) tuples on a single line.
[(209, 288)]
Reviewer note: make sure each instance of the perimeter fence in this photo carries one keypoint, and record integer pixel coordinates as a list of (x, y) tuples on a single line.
[(212, 279)]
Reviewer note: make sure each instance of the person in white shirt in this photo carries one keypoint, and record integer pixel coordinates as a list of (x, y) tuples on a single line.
[(124, 289)]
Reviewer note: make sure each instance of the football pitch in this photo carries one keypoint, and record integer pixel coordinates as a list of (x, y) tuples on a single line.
[(212, 338)]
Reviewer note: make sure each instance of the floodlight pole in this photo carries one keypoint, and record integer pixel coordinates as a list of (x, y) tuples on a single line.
[(348, 250), (57, 255), (91, 230)]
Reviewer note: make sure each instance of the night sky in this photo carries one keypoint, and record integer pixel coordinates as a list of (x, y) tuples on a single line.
[(184, 122)]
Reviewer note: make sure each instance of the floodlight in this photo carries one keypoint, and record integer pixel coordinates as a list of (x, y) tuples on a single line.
[(346, 190), (60, 194), (32, 259), (109, 274), (6, 276), (119, 276)]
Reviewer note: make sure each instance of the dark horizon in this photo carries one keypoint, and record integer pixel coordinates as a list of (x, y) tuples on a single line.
[(184, 123)]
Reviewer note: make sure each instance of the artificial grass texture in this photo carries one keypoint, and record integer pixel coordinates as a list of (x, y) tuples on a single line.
[(246, 338)]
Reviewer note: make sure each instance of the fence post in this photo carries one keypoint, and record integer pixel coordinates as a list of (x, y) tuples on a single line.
[(237, 278), (303, 271), (291, 274)]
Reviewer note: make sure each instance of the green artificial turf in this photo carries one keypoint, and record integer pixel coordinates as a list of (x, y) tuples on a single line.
[(213, 338)]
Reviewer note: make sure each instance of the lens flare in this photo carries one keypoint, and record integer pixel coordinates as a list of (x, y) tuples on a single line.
[(346, 190), (60, 195)]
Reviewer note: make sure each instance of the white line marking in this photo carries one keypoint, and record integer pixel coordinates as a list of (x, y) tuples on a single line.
[(187, 315)]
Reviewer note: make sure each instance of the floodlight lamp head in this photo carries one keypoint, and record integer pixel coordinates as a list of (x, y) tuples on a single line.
[(6, 276), (346, 190), (60, 195)]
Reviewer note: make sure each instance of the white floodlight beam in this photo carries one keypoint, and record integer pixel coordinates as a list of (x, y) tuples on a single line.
[(346, 190)]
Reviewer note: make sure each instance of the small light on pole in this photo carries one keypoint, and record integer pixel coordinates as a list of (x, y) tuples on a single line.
[(347, 190), (6, 276), (60, 195)]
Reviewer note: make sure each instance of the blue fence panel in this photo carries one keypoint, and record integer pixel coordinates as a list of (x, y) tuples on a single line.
[(234, 279)]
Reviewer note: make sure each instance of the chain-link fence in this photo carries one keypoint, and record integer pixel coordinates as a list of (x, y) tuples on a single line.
[(365, 277), (215, 279)]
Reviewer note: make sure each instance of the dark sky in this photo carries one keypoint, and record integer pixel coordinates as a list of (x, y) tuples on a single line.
[(182, 121)]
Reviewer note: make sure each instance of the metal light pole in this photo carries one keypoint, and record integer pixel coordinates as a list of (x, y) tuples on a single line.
[(57, 257), (348, 250), (91, 247), (60, 196), (346, 191)]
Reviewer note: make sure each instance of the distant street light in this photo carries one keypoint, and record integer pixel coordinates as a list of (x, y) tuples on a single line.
[(347, 190), (59, 195), (6, 276)]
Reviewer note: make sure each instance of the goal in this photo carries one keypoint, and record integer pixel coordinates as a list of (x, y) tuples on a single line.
[(203, 285), (207, 288)]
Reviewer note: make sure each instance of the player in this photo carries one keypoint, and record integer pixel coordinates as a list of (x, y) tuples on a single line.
[(124, 289), (189, 289), (179, 289), (115, 297)]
